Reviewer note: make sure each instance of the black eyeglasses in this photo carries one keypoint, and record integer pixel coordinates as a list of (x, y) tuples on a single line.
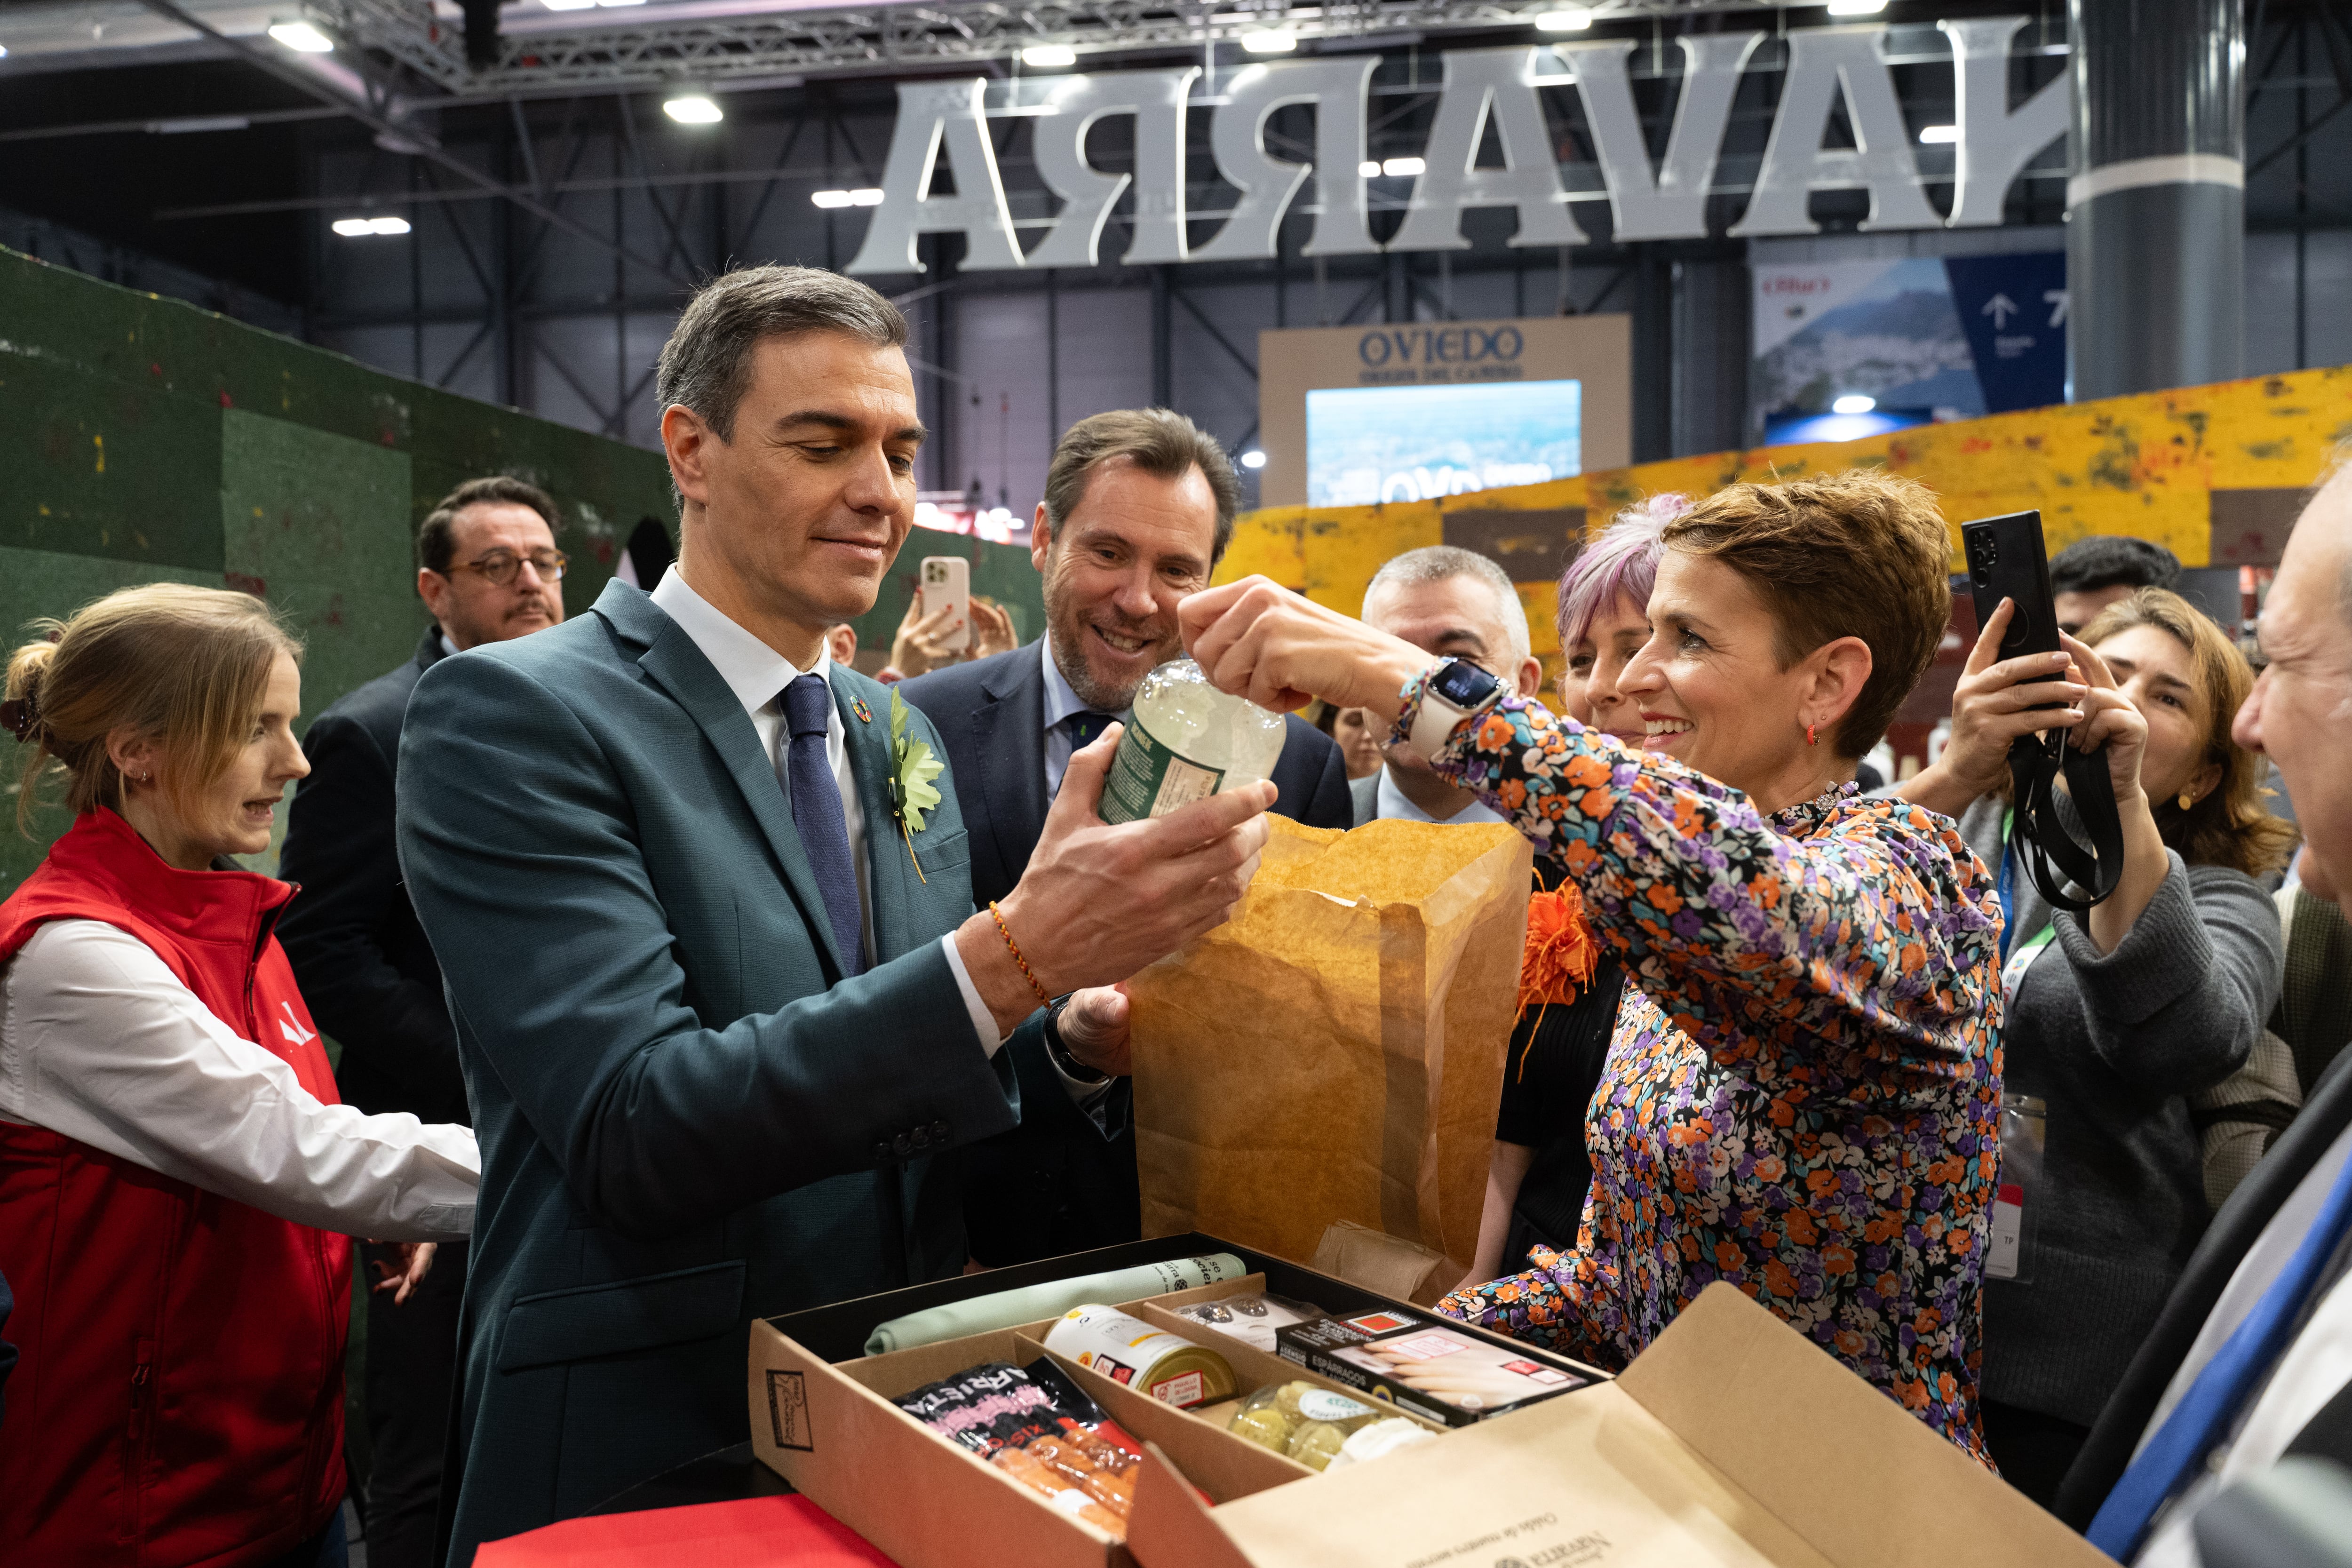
[(501, 568)]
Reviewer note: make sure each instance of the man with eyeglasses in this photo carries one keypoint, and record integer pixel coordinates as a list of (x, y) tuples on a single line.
[(488, 571)]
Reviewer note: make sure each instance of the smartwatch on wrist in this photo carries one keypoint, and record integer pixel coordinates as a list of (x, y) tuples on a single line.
[(1059, 1054), (1454, 690)]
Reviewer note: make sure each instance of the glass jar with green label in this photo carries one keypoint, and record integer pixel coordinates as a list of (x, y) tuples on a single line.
[(1187, 740)]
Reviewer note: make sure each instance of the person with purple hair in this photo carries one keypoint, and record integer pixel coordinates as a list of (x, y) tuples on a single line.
[(1539, 1172)]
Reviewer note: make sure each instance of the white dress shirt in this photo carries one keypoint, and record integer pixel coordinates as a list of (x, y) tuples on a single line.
[(1391, 804), (100, 1042), (757, 675), (2313, 1369), (1061, 702)]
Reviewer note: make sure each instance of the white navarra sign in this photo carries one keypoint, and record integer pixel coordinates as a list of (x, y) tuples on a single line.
[(1665, 200)]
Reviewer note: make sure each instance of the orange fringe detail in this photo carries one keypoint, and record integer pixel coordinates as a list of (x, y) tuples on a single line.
[(1561, 956)]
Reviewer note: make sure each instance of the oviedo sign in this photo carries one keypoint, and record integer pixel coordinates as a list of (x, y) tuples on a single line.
[(1665, 200)]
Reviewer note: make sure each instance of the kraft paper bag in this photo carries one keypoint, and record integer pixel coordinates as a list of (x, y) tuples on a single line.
[(1335, 1051)]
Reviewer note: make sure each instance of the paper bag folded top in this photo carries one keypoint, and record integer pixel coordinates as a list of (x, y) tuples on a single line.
[(1335, 1051)]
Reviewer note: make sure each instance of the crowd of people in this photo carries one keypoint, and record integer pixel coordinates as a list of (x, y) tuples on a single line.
[(664, 1002)]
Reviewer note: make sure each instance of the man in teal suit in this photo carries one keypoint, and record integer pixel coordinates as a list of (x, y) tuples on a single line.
[(723, 1001)]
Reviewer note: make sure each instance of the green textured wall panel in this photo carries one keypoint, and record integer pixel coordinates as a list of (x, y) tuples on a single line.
[(101, 467), (318, 524), (63, 318), (237, 458)]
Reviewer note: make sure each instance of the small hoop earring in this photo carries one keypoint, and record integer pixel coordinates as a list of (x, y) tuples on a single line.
[(2187, 800), (1811, 739)]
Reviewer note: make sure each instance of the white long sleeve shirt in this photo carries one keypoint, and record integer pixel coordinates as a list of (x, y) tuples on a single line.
[(100, 1042)]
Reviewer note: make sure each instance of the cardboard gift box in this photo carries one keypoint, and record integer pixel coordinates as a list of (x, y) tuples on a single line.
[(1732, 1440)]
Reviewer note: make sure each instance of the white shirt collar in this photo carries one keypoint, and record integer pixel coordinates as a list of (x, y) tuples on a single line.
[(1061, 698), (449, 648), (752, 670), (1393, 804)]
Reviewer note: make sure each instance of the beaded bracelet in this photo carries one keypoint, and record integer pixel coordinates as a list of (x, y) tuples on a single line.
[(1012, 947)]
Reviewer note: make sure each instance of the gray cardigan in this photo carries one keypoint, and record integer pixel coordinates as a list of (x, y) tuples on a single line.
[(2115, 1045)]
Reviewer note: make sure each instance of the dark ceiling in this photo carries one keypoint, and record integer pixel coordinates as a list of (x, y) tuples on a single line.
[(112, 185)]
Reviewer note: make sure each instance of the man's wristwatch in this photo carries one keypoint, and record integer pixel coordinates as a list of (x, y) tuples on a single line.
[(1059, 1054), (1453, 691)]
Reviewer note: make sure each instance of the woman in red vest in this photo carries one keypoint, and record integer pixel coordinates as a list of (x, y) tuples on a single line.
[(178, 1183)]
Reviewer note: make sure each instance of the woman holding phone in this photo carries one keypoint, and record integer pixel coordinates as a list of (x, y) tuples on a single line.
[(2117, 1017), (1800, 1098)]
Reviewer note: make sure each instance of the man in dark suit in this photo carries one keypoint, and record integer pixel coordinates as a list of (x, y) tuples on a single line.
[(721, 992), (2250, 1360), (488, 571), (1139, 507)]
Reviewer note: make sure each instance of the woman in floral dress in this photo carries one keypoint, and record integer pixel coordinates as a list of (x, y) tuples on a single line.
[(1801, 1095)]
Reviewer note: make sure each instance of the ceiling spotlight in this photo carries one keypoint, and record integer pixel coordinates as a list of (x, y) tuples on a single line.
[(1856, 7), (830, 198), (355, 228), (1252, 459), (1934, 135), (4, 51), (693, 108), (1854, 402), (1370, 168), (1402, 168), (303, 38), (1571, 19), (1269, 40), (1049, 56), (871, 196), (868, 196)]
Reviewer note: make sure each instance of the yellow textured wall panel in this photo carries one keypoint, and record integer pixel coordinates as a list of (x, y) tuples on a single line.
[(2149, 465)]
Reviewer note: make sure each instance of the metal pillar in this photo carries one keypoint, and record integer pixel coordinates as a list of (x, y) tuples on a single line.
[(1053, 358), (1653, 356), (1163, 378), (2156, 221)]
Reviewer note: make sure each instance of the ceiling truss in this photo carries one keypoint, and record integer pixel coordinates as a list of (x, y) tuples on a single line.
[(651, 48)]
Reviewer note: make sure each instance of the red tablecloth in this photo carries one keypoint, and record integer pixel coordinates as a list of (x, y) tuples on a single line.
[(751, 1532)]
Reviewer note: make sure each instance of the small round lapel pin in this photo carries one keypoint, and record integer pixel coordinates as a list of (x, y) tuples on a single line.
[(865, 714)]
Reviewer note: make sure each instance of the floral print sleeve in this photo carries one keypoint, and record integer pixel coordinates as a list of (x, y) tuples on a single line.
[(1802, 1090)]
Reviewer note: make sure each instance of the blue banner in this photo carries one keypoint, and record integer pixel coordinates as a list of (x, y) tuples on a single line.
[(2013, 310)]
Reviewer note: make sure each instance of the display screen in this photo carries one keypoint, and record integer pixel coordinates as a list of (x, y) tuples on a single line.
[(1373, 444)]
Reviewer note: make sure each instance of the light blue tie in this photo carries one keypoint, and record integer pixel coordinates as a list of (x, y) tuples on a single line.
[(2207, 1414)]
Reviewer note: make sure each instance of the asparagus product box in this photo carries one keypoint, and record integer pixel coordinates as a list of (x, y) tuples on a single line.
[(1427, 1365), (1731, 1441)]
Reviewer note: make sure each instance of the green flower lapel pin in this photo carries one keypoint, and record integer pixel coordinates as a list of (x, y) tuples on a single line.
[(912, 769)]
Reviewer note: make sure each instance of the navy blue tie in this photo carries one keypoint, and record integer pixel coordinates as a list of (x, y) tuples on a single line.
[(816, 814), (1085, 725)]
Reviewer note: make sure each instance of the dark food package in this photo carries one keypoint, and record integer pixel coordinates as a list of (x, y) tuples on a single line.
[(984, 1408), (1427, 1365), (1041, 1429)]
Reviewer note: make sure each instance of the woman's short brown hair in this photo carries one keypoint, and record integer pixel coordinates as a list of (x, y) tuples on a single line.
[(1860, 554), (186, 665), (2229, 826)]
